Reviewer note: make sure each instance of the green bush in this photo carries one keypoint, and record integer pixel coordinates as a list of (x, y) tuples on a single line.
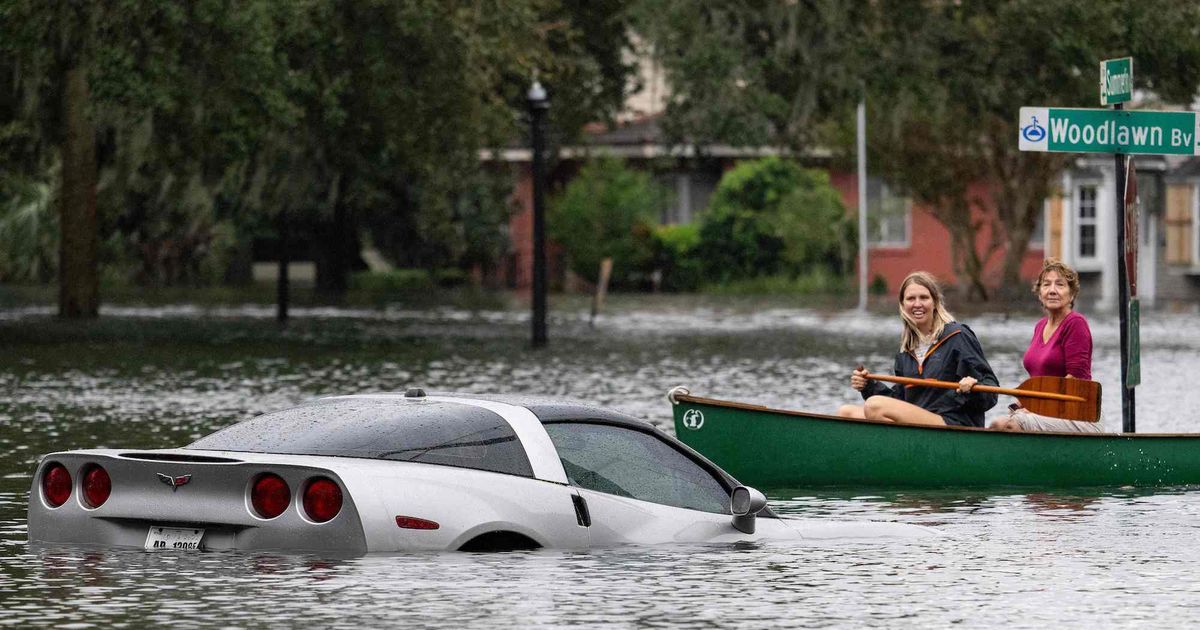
[(817, 232), (772, 218), (675, 256), (879, 285), (608, 210), (817, 281), (396, 280), (450, 277)]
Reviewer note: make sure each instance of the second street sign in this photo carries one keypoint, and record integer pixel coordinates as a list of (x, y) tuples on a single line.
[(1116, 80), (1108, 131)]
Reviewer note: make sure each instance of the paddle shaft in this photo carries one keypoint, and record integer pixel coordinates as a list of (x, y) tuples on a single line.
[(928, 382)]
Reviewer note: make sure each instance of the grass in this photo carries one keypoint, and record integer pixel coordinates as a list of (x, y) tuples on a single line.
[(363, 297), (815, 291), (808, 284)]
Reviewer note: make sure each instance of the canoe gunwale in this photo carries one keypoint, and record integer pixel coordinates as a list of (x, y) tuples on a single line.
[(680, 397)]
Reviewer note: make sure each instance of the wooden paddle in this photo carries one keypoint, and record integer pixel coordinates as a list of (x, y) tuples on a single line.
[(1067, 398)]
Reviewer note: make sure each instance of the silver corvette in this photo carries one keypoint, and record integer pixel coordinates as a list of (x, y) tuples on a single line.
[(401, 472)]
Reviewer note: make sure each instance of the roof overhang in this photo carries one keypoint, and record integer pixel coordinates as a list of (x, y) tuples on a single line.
[(649, 152)]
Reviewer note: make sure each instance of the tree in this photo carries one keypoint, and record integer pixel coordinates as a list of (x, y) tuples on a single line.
[(943, 82), (470, 94), (771, 217), (86, 71), (182, 120), (608, 211), (753, 72), (946, 80)]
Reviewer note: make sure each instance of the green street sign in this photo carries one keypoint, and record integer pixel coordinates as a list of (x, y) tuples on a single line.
[(1108, 131), (1133, 373), (1116, 80)]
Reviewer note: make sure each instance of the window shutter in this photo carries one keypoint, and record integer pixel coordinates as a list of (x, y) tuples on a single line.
[(1179, 224), (1054, 247)]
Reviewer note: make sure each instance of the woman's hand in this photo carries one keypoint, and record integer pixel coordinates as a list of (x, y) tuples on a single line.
[(858, 378), (966, 384)]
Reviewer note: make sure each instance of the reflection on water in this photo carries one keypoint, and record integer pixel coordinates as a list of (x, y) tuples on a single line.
[(145, 378)]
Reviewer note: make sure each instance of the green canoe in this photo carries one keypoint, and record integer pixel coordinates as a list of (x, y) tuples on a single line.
[(773, 448)]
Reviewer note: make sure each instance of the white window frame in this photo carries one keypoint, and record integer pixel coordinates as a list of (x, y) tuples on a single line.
[(906, 242), (1079, 222), (1040, 238)]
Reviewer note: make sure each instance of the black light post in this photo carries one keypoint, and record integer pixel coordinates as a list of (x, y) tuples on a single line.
[(538, 105)]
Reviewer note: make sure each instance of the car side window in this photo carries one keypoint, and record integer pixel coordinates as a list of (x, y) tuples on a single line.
[(629, 463)]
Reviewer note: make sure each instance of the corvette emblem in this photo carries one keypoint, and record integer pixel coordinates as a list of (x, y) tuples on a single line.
[(174, 482)]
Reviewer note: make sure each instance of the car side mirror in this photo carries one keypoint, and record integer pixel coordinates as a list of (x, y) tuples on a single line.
[(745, 503)]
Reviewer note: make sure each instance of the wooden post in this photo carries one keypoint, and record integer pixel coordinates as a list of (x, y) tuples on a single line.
[(601, 289)]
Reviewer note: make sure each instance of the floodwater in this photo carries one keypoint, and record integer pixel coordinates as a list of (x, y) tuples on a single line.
[(158, 377)]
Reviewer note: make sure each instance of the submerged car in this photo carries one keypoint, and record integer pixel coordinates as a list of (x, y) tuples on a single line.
[(402, 472)]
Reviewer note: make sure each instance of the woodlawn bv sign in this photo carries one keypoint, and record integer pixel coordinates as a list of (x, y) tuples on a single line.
[(1108, 131)]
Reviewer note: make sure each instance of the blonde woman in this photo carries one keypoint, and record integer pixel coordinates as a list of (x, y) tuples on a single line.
[(932, 346), (1061, 346)]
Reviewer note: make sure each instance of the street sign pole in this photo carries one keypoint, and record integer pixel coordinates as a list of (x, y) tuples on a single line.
[(1127, 403)]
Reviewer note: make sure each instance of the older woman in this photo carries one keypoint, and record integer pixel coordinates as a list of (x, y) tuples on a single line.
[(1061, 346), (934, 346)]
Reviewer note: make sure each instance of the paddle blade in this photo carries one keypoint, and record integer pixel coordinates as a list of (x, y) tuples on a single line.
[(1087, 411)]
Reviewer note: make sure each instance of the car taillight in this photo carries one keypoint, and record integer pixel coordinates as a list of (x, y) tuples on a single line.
[(270, 495), (56, 484), (96, 486), (322, 499)]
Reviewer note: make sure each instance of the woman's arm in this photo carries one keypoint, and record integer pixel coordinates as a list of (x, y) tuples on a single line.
[(875, 388), (1077, 348), (973, 363)]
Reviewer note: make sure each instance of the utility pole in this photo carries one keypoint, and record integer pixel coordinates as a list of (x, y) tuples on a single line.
[(862, 204)]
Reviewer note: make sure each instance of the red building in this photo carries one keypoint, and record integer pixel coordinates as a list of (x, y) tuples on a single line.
[(904, 236)]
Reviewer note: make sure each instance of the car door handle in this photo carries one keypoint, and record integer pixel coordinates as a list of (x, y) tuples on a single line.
[(582, 516)]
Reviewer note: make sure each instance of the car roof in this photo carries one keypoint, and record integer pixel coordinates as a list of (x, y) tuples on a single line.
[(545, 408)]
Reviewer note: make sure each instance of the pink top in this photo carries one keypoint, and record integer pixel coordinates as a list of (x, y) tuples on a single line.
[(1069, 351)]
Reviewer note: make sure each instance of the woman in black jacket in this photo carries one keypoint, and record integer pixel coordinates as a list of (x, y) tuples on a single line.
[(932, 346)]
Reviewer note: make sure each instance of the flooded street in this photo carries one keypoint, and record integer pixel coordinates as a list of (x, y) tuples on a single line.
[(150, 378)]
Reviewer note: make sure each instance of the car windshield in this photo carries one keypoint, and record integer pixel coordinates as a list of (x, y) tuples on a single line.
[(431, 432), (629, 463)]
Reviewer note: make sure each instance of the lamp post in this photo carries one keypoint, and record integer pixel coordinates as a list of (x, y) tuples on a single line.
[(538, 106)]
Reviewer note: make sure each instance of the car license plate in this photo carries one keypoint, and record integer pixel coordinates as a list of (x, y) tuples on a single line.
[(174, 538)]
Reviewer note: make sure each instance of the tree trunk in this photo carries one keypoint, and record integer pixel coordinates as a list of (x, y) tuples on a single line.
[(1020, 200), (78, 278), (334, 252), (332, 256), (966, 259), (1017, 246), (282, 281)]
